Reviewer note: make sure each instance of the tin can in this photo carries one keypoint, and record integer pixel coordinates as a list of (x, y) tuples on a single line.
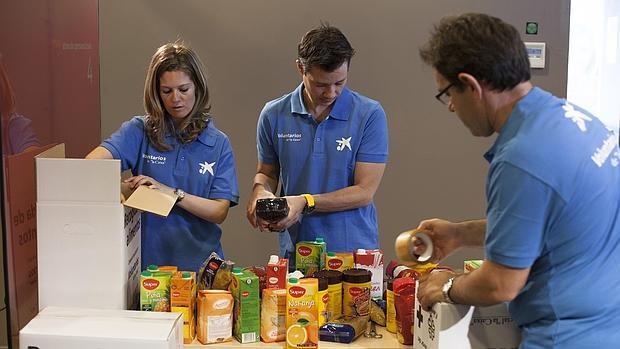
[(334, 289), (356, 292)]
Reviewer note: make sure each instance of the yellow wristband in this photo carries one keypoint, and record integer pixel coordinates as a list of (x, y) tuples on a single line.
[(309, 203)]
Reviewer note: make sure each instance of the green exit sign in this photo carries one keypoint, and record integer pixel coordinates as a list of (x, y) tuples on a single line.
[(531, 28)]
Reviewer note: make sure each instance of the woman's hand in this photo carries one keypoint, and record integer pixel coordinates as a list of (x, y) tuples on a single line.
[(136, 181)]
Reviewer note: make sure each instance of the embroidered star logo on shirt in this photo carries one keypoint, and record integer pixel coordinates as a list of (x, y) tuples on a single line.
[(576, 116), (343, 143), (205, 166)]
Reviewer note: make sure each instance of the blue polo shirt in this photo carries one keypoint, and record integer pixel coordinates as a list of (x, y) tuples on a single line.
[(321, 158), (204, 167), (553, 192)]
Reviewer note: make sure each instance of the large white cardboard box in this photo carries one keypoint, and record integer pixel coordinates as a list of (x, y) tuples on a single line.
[(88, 243), (453, 326), (445, 326), (80, 328), (493, 327)]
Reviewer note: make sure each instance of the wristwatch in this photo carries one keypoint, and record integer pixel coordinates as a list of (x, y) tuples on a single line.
[(309, 204), (445, 290), (180, 194)]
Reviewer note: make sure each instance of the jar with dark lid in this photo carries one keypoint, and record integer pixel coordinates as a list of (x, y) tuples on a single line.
[(356, 276), (334, 291), (332, 276), (356, 292)]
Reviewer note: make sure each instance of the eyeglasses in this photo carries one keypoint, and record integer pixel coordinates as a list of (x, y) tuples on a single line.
[(443, 95)]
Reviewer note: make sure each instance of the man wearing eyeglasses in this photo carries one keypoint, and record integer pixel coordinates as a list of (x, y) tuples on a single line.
[(552, 227)]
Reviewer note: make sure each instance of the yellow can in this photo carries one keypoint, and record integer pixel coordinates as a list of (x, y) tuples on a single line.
[(334, 290), (356, 292), (322, 301)]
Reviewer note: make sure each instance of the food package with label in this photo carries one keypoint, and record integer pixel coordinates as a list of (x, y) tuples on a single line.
[(344, 329), (215, 320)]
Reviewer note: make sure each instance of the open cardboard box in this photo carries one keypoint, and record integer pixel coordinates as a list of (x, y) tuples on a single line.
[(88, 241), (78, 328)]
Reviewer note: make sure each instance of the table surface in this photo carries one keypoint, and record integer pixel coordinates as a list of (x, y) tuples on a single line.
[(388, 341)]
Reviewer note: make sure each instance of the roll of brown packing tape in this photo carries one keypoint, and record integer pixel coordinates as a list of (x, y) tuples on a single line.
[(405, 249)]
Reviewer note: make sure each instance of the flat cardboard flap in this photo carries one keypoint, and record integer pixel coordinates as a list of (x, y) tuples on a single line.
[(151, 200), (55, 152)]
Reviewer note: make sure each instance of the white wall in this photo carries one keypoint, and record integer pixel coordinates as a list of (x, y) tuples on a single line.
[(594, 58)]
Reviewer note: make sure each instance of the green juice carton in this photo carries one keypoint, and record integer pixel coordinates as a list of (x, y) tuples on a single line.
[(310, 256), (155, 291), (244, 287)]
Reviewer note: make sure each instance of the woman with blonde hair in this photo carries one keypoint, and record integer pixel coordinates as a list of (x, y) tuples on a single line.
[(176, 148)]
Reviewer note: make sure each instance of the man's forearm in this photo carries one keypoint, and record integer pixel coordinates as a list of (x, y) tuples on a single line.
[(343, 199), (472, 233), (264, 182)]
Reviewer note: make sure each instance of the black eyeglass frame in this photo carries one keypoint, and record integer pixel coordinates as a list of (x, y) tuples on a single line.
[(440, 96)]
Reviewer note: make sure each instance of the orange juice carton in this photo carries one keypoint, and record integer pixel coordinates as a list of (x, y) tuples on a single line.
[(155, 291), (340, 261), (168, 268), (215, 316), (277, 268), (310, 256), (302, 314), (183, 300), (245, 289), (183, 289), (273, 315), (371, 260), (471, 265), (189, 332)]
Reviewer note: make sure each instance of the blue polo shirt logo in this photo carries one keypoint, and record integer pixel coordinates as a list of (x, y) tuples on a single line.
[(576, 116), (154, 159), (206, 167), (343, 143), (290, 137)]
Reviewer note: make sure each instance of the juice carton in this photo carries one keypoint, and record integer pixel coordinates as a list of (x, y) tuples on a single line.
[(169, 268), (273, 315), (155, 291), (340, 261), (244, 287), (372, 260), (183, 300), (310, 256), (302, 315), (471, 265), (276, 272)]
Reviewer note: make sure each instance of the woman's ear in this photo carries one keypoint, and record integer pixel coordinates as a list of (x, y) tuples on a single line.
[(470, 82)]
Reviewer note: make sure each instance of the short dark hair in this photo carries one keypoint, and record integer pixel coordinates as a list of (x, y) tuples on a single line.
[(486, 47), (324, 47)]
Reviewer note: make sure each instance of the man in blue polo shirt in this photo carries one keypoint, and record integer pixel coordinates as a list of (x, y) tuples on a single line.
[(328, 146), (552, 227)]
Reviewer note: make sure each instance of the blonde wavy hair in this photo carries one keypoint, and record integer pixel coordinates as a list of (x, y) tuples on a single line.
[(175, 57)]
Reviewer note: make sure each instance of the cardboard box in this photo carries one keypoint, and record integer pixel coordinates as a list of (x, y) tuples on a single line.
[(493, 327), (88, 242), (445, 326), (454, 326), (79, 328)]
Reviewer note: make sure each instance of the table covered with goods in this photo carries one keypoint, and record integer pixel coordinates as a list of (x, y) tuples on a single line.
[(332, 298)]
